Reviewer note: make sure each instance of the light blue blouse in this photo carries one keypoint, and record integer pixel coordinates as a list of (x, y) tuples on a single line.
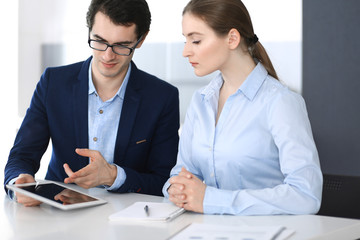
[(260, 158)]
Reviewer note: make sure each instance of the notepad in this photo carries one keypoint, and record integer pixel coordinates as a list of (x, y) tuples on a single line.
[(156, 212)]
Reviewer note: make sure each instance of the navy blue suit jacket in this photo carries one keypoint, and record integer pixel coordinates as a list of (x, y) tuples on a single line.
[(147, 138)]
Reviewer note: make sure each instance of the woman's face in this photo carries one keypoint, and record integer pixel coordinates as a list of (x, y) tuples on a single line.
[(205, 50)]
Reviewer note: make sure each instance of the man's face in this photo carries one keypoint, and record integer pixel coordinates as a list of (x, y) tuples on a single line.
[(108, 66)]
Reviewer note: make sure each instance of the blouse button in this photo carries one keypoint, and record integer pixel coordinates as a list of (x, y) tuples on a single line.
[(95, 139), (101, 111)]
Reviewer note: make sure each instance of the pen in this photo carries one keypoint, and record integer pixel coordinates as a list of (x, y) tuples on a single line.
[(146, 209), (278, 233)]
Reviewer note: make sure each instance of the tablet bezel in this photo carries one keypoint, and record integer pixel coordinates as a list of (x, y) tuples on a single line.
[(16, 188)]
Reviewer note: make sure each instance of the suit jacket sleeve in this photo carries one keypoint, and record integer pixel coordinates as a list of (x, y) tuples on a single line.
[(32, 139)]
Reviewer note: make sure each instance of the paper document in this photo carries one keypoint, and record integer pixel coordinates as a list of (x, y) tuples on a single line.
[(148, 211), (214, 232)]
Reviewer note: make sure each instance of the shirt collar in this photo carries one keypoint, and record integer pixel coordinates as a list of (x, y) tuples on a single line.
[(249, 88), (120, 92), (213, 87), (253, 82)]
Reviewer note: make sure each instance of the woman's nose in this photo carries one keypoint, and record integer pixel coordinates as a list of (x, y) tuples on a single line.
[(186, 51)]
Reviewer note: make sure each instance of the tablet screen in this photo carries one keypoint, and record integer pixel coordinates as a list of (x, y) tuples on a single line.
[(58, 193)]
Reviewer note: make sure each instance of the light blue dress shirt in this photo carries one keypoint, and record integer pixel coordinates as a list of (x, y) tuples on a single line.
[(260, 158), (104, 118)]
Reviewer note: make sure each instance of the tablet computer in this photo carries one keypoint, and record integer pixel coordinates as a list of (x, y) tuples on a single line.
[(50, 192)]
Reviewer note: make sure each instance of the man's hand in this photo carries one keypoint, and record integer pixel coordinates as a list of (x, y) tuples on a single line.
[(26, 201), (187, 191), (98, 172)]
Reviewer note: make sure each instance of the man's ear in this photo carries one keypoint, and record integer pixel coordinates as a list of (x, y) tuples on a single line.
[(234, 38), (142, 40)]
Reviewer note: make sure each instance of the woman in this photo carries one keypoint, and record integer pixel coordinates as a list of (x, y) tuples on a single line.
[(246, 147)]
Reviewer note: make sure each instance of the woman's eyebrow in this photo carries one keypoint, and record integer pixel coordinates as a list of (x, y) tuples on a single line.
[(192, 34)]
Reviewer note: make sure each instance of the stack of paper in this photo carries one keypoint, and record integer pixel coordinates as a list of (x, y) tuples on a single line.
[(148, 211), (212, 232)]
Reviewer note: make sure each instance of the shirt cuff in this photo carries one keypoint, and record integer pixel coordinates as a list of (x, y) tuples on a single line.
[(217, 201), (119, 180), (165, 189), (11, 193)]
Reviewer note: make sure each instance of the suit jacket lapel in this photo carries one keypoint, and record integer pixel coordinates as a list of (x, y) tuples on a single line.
[(128, 114), (80, 110)]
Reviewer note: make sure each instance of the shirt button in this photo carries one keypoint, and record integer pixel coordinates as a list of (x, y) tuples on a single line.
[(101, 111), (210, 149), (95, 139), (212, 175)]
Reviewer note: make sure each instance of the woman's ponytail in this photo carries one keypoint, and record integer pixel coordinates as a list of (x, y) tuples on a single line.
[(259, 53)]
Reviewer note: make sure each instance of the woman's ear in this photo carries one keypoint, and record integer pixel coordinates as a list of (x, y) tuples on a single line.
[(234, 38)]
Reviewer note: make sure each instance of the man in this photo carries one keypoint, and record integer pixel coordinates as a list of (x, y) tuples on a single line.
[(110, 123)]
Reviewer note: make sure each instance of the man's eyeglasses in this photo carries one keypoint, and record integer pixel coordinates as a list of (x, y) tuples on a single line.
[(116, 48)]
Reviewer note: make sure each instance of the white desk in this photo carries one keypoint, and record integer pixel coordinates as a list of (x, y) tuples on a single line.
[(45, 222)]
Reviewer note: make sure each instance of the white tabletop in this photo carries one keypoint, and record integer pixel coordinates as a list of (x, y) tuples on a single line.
[(45, 222)]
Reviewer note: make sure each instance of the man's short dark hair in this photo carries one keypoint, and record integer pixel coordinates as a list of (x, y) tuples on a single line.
[(122, 12)]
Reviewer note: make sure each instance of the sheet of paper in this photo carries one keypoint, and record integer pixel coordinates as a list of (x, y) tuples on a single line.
[(216, 232), (155, 212)]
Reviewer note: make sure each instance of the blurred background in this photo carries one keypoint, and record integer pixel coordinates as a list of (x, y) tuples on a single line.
[(36, 34)]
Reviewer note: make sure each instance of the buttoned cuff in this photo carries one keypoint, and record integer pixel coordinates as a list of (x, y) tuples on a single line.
[(119, 180), (217, 201)]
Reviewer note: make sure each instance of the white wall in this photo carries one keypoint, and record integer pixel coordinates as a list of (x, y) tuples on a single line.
[(277, 23), (9, 77)]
